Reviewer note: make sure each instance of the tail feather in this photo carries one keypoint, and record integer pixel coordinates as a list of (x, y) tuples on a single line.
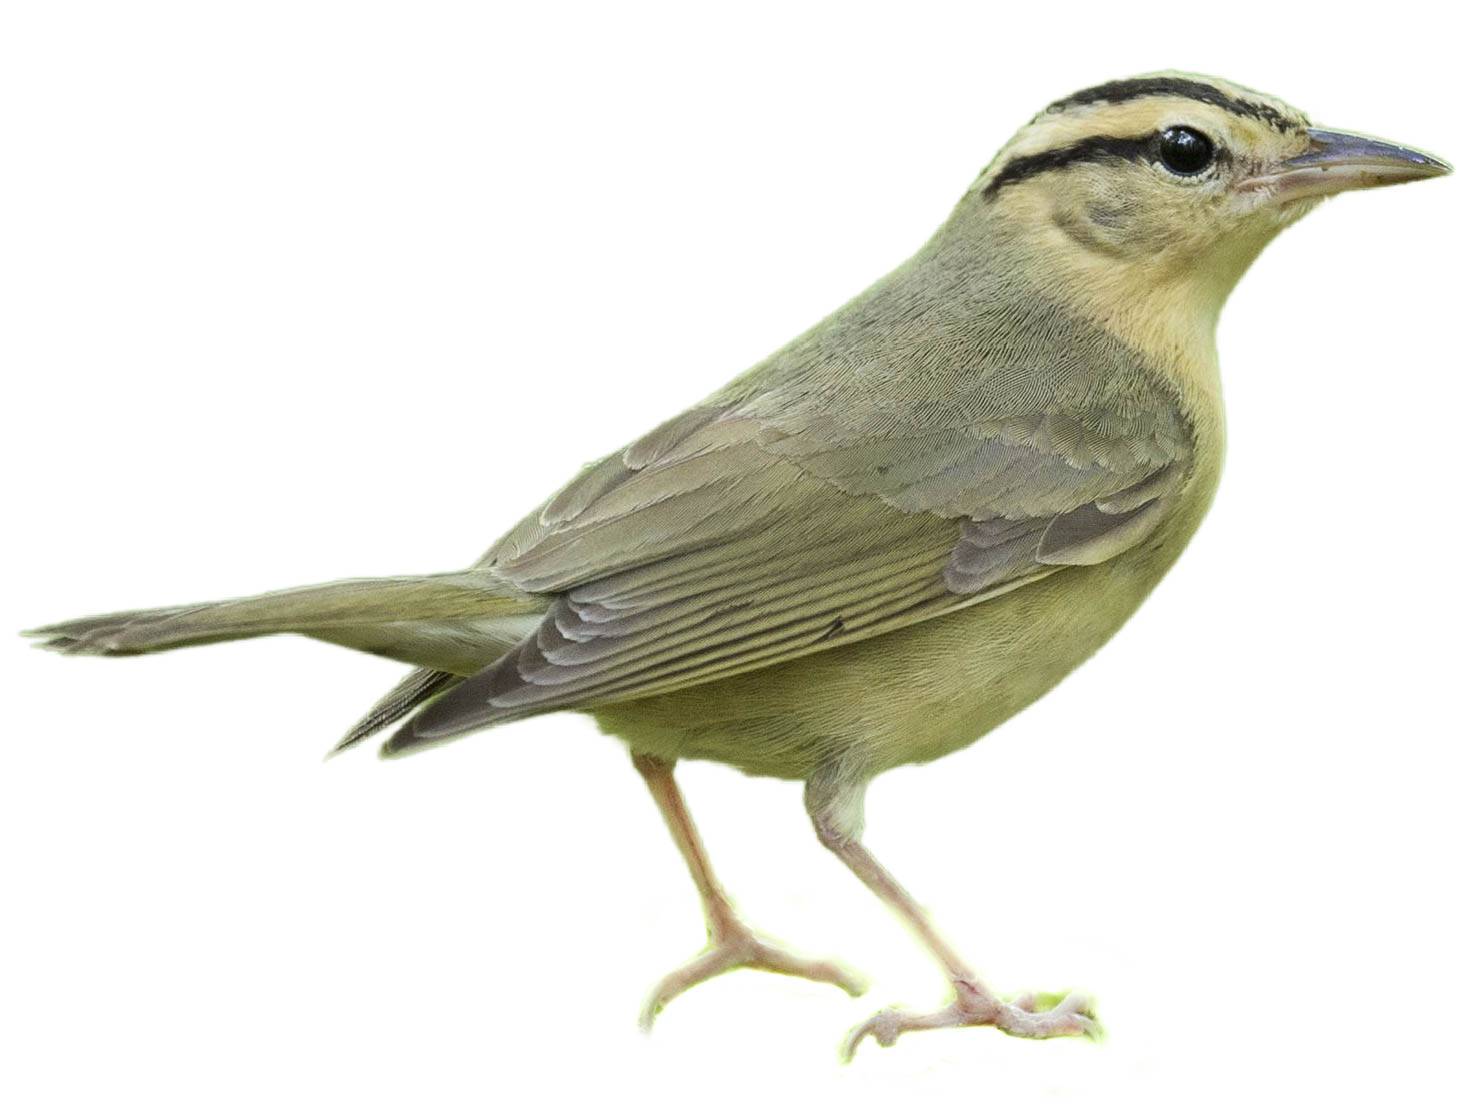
[(455, 622), (97, 634)]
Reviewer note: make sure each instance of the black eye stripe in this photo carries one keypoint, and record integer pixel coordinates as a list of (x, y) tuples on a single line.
[(1095, 148)]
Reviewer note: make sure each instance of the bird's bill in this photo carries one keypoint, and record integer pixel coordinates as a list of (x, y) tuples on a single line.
[(1336, 161)]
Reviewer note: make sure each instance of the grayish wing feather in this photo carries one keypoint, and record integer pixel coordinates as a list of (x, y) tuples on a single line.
[(901, 460)]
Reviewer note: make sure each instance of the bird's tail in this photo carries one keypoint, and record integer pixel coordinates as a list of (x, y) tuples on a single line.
[(454, 623), (411, 692)]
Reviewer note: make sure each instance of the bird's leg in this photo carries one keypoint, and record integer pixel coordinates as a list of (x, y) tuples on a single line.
[(730, 944), (836, 816)]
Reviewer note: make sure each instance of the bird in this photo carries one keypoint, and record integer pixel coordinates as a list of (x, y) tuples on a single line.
[(891, 535)]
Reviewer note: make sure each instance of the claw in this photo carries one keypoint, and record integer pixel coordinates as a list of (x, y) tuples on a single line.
[(739, 948), (1031, 1016)]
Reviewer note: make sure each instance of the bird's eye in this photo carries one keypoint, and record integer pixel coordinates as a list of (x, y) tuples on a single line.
[(1185, 151)]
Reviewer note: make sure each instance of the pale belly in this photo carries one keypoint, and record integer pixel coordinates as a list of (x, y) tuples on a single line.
[(909, 696)]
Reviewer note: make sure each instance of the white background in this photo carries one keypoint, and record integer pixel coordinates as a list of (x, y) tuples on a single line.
[(298, 291)]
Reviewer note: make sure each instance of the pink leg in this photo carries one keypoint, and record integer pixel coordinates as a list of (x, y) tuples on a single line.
[(730, 944), (1032, 1016)]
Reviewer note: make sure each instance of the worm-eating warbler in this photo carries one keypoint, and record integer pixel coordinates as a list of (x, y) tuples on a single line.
[(895, 532)]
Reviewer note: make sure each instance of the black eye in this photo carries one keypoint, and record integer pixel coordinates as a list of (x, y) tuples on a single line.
[(1185, 151)]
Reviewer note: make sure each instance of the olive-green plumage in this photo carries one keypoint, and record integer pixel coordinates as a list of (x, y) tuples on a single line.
[(898, 530)]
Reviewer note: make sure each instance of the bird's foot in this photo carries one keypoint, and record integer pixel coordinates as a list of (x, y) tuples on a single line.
[(733, 947), (1033, 1016)]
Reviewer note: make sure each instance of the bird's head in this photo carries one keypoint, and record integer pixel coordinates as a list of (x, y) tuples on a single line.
[(1164, 188)]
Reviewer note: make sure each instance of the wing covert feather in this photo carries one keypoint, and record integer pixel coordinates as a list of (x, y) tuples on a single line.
[(735, 548), (865, 477)]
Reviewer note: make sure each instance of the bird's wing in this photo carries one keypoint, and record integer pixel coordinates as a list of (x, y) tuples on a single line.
[(773, 522)]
